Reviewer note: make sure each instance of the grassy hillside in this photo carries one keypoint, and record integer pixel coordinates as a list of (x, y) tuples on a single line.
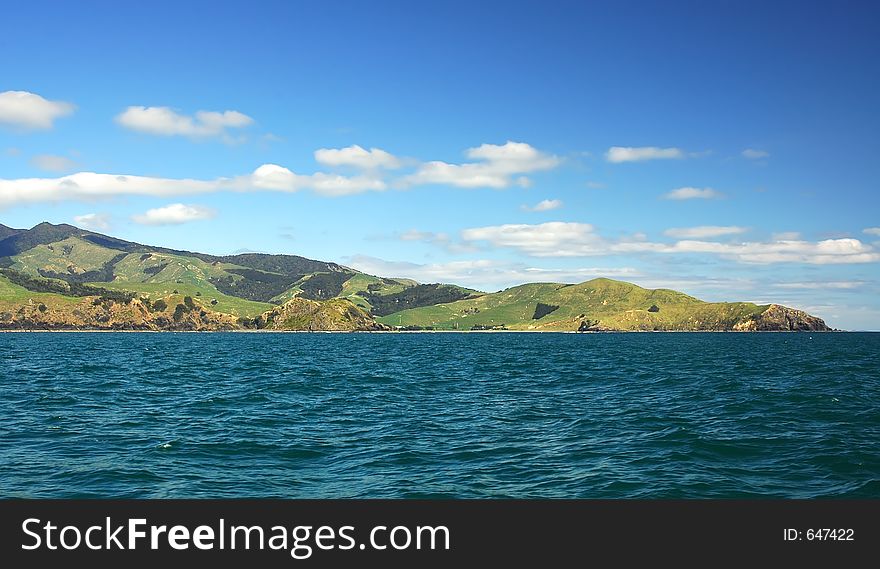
[(357, 288), (206, 294), (56, 265), (605, 303), (418, 296), (13, 295), (152, 275), (305, 315), (71, 256), (244, 285)]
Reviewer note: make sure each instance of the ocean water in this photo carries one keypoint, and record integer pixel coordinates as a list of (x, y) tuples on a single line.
[(659, 415)]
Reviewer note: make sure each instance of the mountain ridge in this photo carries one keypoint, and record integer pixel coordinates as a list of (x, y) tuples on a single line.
[(64, 277)]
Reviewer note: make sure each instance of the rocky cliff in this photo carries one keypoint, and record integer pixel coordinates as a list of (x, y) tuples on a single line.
[(96, 313), (183, 313), (778, 318), (177, 313), (310, 315)]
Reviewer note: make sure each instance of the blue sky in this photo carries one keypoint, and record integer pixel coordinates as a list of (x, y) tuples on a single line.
[(726, 149)]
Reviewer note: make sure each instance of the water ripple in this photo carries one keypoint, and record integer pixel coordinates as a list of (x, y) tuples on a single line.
[(439, 415)]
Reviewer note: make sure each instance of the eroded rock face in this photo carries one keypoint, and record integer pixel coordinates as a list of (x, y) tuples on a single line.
[(337, 315), (588, 325), (180, 313), (177, 313), (778, 318), (96, 313)]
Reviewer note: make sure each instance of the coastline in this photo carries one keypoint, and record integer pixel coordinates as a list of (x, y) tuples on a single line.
[(105, 331)]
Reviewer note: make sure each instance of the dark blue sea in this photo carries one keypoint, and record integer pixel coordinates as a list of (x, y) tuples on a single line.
[(654, 415)]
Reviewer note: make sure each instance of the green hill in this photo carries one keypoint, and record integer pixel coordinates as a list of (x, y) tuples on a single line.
[(62, 268), (596, 305), (41, 264)]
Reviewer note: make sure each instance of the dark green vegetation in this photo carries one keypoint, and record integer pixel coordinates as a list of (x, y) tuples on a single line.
[(323, 286), (417, 297), (542, 310), (253, 284), (102, 275), (74, 288), (60, 276)]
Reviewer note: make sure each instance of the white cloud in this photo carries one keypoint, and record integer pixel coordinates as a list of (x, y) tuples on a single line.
[(821, 285), (512, 156), (786, 236), (455, 271), (872, 231), (618, 154), (439, 239), (497, 166), (595, 185), (692, 194), (543, 205), (97, 221), (53, 163), (30, 111), (705, 287), (174, 214), (90, 185), (498, 169), (753, 154), (483, 274), (279, 178), (828, 251), (551, 239), (704, 231), (564, 239), (524, 182), (461, 175), (576, 275), (164, 121), (357, 156)]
